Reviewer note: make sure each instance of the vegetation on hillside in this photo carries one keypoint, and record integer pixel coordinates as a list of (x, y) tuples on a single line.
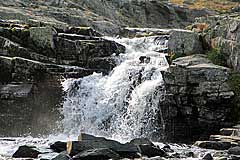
[(217, 5)]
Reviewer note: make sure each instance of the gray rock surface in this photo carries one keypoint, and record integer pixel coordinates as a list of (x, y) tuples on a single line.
[(184, 42), (223, 32), (197, 97), (103, 15)]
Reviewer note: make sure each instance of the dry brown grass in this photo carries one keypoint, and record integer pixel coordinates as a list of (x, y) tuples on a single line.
[(217, 5)]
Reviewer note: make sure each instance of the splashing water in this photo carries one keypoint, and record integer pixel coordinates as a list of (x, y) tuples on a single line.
[(124, 104)]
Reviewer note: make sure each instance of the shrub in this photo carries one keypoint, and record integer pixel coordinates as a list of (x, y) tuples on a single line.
[(217, 57)]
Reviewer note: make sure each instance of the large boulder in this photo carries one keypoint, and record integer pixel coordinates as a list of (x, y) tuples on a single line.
[(197, 97), (184, 42)]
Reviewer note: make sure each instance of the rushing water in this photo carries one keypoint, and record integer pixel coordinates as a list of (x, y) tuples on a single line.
[(123, 104)]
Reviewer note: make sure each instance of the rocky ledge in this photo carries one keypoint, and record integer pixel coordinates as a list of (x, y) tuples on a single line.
[(33, 61), (227, 143), (197, 100)]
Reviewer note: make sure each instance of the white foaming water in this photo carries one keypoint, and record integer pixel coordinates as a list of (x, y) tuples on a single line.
[(123, 104)]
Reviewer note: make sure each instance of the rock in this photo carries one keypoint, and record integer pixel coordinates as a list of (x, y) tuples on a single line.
[(42, 37), (86, 52), (189, 154), (62, 156), (208, 156), (84, 136), (183, 42), (59, 146), (221, 158), (234, 150), (143, 32), (233, 139), (227, 131), (86, 31), (151, 151), (11, 91), (6, 67), (124, 150), (167, 148), (141, 141), (26, 152), (234, 157), (198, 98), (217, 145), (99, 154), (223, 34)]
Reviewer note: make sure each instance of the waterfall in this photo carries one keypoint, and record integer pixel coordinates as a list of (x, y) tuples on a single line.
[(125, 103)]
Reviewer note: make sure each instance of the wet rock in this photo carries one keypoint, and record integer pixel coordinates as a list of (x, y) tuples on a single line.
[(189, 154), (233, 139), (227, 131), (167, 148), (141, 141), (234, 150), (220, 158), (62, 156), (217, 145), (124, 150), (59, 146), (234, 157), (99, 154), (208, 156), (151, 151), (26, 152), (183, 42)]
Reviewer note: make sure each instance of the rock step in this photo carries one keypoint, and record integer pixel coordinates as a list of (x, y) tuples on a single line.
[(217, 145), (225, 138), (228, 131), (77, 37)]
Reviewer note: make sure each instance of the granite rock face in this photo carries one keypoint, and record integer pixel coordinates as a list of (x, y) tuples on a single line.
[(197, 97)]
